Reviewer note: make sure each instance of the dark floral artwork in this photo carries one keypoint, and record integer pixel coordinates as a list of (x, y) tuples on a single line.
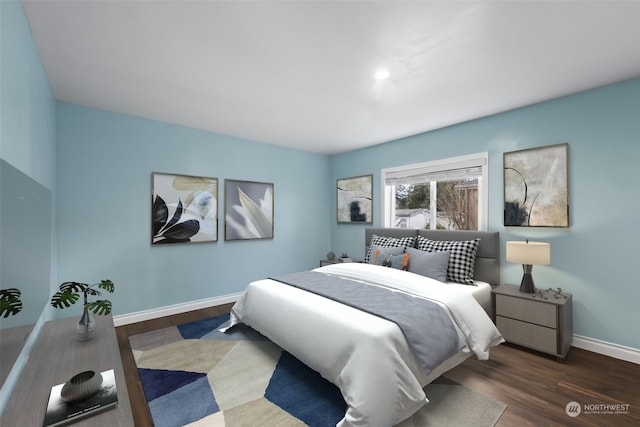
[(184, 209), (535, 187), (354, 199)]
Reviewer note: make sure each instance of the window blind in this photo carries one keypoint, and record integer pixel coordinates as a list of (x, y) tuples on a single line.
[(426, 172)]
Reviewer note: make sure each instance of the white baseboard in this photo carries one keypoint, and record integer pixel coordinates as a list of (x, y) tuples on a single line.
[(141, 316), (606, 348)]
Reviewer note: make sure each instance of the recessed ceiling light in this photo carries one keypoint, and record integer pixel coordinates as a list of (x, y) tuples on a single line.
[(382, 74)]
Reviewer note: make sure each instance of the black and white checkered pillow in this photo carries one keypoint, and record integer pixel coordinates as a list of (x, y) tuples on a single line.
[(389, 242), (462, 257)]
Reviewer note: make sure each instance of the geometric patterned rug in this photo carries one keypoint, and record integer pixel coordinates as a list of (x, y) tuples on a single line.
[(193, 375)]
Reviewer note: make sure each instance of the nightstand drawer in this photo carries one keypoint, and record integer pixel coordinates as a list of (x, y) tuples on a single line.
[(526, 310), (527, 334)]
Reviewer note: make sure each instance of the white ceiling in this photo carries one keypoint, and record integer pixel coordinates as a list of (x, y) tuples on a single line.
[(300, 73)]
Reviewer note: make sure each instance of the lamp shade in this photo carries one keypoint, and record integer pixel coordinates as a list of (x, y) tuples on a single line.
[(529, 253)]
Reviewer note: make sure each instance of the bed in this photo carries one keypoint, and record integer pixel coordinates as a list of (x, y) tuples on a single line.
[(486, 272), (379, 364)]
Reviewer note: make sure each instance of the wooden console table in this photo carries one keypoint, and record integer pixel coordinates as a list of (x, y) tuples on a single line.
[(56, 357), (11, 342)]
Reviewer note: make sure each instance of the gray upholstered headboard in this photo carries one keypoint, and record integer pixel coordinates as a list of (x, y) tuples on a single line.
[(487, 268)]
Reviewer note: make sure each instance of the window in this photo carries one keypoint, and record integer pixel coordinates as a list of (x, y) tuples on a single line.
[(446, 194)]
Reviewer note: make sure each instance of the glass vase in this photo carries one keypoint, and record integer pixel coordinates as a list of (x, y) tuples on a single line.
[(86, 325)]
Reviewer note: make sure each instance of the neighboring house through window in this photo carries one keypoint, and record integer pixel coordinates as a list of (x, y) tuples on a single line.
[(446, 194)]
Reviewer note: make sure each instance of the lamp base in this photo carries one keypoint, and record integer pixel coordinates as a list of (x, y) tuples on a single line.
[(526, 285)]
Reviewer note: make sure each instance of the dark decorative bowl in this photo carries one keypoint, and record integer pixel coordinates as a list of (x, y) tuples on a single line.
[(81, 386)]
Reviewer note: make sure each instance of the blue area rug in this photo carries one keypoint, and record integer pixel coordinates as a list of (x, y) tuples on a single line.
[(193, 375), (304, 394), (179, 366)]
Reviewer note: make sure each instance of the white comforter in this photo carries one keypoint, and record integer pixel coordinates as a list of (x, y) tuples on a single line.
[(367, 357)]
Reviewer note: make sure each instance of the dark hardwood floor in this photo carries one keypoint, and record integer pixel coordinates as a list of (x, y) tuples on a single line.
[(535, 387)]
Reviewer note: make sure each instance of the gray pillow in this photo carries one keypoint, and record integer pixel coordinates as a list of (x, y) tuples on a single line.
[(462, 257), (390, 242), (429, 264), (394, 261), (383, 250)]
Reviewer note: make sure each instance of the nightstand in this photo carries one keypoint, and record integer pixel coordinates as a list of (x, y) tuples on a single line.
[(542, 321)]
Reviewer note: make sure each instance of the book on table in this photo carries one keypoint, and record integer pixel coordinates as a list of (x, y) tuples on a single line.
[(60, 412)]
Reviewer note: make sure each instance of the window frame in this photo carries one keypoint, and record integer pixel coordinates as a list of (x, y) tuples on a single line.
[(440, 166)]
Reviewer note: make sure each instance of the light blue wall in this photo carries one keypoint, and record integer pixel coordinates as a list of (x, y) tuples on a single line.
[(27, 126), (597, 257), (105, 161), (27, 142), (27, 107)]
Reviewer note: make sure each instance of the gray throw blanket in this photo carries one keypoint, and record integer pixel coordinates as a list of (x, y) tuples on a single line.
[(426, 325)]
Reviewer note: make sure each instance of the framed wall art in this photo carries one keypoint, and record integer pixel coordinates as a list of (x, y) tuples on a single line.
[(536, 192), (248, 210), (184, 209), (355, 199)]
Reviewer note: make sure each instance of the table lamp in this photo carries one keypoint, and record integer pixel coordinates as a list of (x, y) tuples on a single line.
[(528, 254)]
